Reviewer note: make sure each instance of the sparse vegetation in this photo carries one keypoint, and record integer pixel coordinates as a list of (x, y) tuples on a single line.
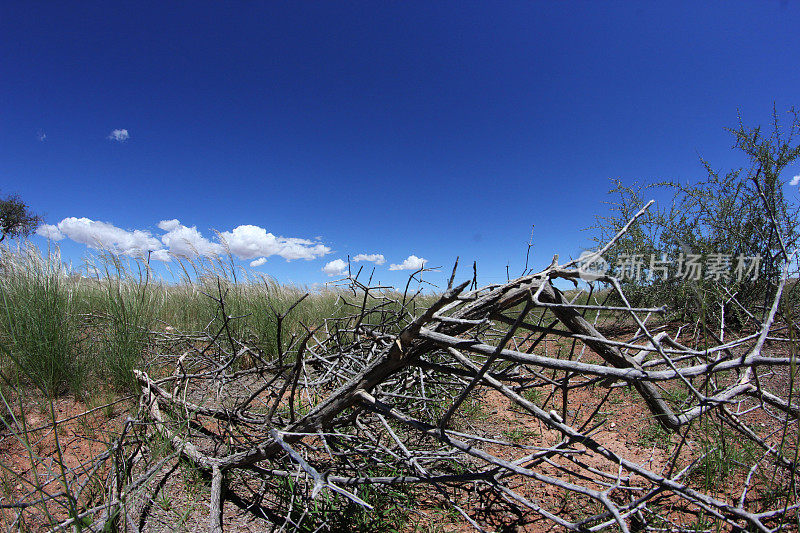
[(363, 409), (122, 319), (653, 434)]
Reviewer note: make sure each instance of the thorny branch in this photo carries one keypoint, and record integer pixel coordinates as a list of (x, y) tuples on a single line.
[(389, 397)]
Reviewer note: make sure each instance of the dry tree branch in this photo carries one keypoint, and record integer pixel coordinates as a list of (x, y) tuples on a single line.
[(504, 403)]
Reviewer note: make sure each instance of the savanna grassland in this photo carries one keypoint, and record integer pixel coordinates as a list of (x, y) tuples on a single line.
[(226, 401)]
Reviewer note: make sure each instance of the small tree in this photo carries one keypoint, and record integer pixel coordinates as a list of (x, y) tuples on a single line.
[(15, 218), (738, 214)]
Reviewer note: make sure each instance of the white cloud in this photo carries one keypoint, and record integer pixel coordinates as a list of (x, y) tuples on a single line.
[(245, 242), (96, 234), (185, 241), (249, 242), (337, 267), (169, 225), (119, 135), (795, 180), (378, 259), (49, 231), (161, 255), (412, 262)]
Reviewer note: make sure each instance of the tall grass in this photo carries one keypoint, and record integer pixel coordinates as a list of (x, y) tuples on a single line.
[(69, 332), (132, 304), (38, 321), (256, 300)]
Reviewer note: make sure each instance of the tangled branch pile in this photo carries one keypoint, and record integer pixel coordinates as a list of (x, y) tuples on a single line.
[(386, 397), (382, 398)]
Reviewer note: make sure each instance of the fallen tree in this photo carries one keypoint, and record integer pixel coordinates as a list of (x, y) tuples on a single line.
[(379, 398), (393, 395)]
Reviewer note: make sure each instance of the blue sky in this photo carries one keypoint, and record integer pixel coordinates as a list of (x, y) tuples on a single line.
[(304, 132)]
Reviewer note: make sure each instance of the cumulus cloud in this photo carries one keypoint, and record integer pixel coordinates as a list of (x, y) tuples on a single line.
[(244, 242), (378, 259), (337, 267), (161, 255), (169, 225), (185, 241), (795, 180), (412, 262), (96, 234), (249, 242), (49, 231), (119, 135)]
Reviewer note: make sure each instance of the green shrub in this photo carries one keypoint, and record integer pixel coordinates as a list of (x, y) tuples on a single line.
[(728, 214)]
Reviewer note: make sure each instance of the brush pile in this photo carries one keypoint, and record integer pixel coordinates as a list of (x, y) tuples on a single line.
[(388, 398), (511, 405)]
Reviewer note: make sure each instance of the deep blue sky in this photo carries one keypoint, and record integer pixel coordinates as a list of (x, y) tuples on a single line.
[(426, 128)]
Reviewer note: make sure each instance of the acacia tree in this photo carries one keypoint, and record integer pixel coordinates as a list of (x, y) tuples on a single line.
[(736, 214), (16, 220)]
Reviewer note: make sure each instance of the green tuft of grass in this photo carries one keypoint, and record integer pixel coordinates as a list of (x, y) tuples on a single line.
[(533, 395), (330, 512), (473, 408), (37, 322), (131, 307), (654, 434), (721, 456), (518, 435)]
